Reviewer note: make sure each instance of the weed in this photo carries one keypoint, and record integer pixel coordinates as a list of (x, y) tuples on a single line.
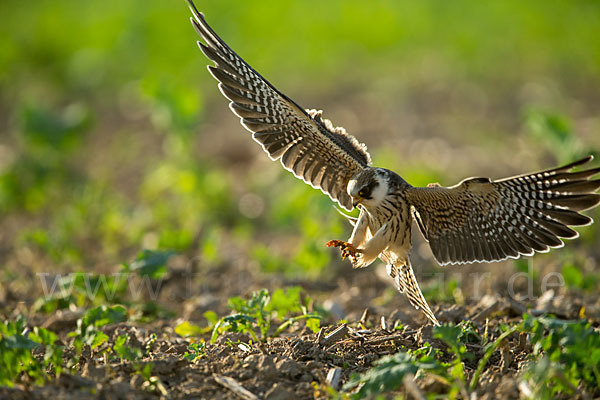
[(566, 355), (186, 329), (16, 358), (124, 350), (565, 359), (88, 325), (150, 263), (455, 337), (152, 383), (387, 374), (195, 351), (255, 315), (84, 289)]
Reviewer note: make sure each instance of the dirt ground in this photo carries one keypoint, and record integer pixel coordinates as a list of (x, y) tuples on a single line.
[(299, 363)]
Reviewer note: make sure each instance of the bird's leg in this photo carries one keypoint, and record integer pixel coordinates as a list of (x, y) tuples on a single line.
[(359, 233), (371, 249), (349, 249)]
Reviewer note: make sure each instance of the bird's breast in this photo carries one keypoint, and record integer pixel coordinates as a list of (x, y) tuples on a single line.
[(395, 212)]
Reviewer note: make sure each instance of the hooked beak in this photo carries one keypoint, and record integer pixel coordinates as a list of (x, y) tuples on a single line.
[(356, 201)]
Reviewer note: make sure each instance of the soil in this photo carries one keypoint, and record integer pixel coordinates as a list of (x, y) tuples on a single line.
[(299, 363)]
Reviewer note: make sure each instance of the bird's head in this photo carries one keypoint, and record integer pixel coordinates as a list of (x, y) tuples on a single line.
[(368, 187)]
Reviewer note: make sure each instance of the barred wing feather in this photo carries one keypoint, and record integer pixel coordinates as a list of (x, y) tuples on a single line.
[(324, 156), (484, 220)]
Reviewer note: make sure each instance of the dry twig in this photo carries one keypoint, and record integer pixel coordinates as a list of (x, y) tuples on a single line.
[(235, 387), (338, 334)]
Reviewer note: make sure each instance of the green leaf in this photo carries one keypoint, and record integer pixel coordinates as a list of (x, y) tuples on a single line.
[(239, 322), (567, 351), (387, 375), (285, 301), (186, 329), (125, 351), (450, 335), (43, 336), (87, 326), (195, 351), (253, 309), (211, 316), (19, 342), (152, 263), (103, 315), (314, 324), (97, 339)]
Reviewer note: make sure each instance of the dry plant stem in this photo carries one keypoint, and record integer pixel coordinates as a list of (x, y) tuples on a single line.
[(384, 326), (364, 317), (335, 336), (334, 377), (320, 335), (412, 388), (385, 339), (235, 387)]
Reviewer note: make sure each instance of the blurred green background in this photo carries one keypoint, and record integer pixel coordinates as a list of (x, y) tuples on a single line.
[(114, 137)]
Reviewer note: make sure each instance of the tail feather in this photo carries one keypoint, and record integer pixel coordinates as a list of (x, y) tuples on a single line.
[(406, 282)]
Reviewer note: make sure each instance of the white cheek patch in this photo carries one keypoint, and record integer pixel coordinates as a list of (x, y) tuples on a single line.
[(379, 193)]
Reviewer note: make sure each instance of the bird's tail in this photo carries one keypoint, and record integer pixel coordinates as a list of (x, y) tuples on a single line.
[(406, 283)]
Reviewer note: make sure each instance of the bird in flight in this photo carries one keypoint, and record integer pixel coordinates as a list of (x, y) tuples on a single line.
[(477, 220)]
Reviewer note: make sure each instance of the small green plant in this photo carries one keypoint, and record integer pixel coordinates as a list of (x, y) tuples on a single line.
[(124, 350), (250, 312), (255, 315), (456, 336), (88, 325), (565, 360), (566, 355), (150, 263), (195, 351), (389, 372), (84, 289), (16, 358), (81, 289), (387, 375), (151, 384), (186, 329)]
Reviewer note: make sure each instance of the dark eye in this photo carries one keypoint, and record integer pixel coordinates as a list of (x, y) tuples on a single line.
[(362, 193)]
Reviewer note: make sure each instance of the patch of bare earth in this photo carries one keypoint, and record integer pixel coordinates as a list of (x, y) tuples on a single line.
[(299, 364)]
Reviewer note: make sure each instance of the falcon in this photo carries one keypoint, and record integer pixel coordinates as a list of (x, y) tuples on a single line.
[(477, 220)]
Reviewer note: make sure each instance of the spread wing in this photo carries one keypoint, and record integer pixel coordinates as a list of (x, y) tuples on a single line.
[(308, 145), (484, 220)]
